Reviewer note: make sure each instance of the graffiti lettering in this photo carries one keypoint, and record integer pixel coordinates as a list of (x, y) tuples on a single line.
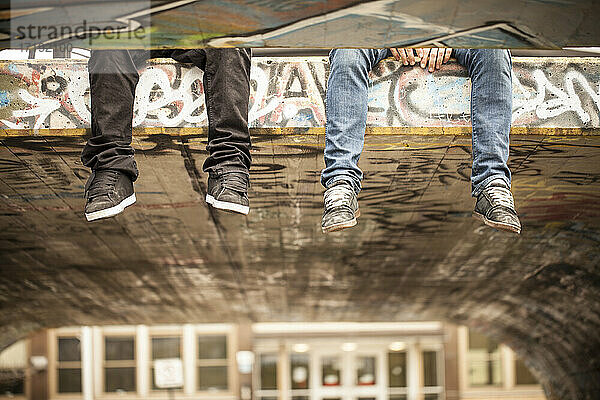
[(290, 92)]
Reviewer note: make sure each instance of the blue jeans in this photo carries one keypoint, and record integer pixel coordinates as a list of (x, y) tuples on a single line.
[(491, 112)]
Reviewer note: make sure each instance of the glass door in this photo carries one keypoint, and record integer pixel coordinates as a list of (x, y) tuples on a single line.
[(368, 368), (329, 370), (349, 375)]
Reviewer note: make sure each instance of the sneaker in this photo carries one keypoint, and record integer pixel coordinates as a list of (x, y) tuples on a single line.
[(496, 208), (107, 193), (229, 191), (341, 207)]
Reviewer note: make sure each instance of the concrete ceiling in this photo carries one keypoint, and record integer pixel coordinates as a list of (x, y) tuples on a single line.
[(416, 253)]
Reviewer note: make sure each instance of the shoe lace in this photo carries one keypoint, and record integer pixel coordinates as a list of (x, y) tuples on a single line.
[(103, 183), (235, 181), (338, 196), (501, 196)]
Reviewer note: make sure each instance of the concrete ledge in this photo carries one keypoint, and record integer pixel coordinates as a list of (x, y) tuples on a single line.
[(550, 96)]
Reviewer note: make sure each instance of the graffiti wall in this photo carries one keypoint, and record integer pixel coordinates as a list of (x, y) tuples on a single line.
[(290, 92)]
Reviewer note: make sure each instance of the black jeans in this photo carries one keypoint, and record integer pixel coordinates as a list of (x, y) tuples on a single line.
[(113, 79)]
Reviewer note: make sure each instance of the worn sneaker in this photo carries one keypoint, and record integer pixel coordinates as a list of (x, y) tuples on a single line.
[(229, 191), (107, 193), (496, 208), (341, 207)]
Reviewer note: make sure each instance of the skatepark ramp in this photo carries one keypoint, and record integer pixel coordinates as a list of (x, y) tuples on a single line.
[(416, 254)]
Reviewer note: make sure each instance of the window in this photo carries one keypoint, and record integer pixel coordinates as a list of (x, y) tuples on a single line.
[(12, 382), (300, 376), (266, 377), (268, 371), (13, 364), (397, 377), (430, 372), (212, 347), (299, 368), (330, 371), (119, 364), (523, 375), (164, 347), (365, 371), (69, 365), (483, 361), (397, 369), (212, 363)]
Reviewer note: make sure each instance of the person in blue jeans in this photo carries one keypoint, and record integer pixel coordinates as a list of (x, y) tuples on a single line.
[(491, 111)]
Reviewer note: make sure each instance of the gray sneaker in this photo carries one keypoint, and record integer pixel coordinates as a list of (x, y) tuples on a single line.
[(229, 192), (107, 193), (341, 207), (496, 208)]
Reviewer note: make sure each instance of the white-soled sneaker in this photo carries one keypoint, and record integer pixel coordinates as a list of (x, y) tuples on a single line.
[(495, 206), (107, 193), (229, 192), (340, 207)]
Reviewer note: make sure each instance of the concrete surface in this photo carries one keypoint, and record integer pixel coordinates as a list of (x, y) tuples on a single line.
[(416, 253), (548, 94), (289, 23)]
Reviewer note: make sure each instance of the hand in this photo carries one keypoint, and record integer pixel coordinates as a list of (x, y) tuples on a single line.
[(435, 56), (407, 56)]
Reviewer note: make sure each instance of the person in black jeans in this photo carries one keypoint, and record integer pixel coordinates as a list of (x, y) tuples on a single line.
[(113, 79)]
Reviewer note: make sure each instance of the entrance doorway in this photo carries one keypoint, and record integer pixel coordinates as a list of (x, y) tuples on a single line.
[(380, 368)]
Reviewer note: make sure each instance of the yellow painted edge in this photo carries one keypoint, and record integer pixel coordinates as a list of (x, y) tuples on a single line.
[(370, 131), (43, 132), (156, 130)]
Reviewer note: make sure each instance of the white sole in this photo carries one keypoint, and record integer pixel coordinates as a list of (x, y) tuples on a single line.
[(496, 225), (112, 211), (343, 225), (223, 205)]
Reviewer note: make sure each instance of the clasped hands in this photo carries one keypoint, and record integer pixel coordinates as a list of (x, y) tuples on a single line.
[(430, 59)]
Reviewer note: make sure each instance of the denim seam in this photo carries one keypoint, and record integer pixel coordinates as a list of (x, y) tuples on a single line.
[(473, 133), (323, 183), (209, 108), (207, 95)]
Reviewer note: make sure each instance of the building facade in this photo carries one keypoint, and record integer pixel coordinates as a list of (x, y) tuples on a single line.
[(281, 361)]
